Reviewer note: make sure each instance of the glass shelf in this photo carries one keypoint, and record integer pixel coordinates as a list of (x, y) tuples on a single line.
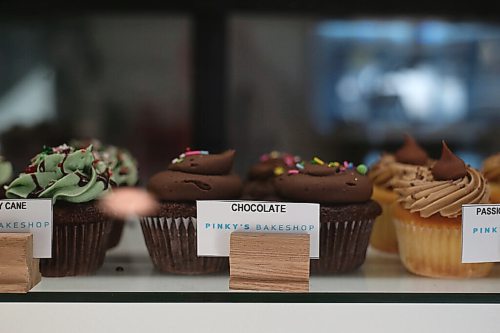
[(128, 276)]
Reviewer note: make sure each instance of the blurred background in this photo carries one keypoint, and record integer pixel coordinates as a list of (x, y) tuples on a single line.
[(336, 86)]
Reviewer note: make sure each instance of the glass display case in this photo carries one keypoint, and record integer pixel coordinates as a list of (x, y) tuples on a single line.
[(313, 79)]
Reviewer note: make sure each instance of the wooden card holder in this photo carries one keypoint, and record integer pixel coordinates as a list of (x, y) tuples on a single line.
[(19, 271), (269, 261)]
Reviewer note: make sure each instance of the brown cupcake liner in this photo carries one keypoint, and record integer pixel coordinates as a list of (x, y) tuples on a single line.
[(77, 249), (79, 238), (342, 246), (115, 234), (171, 243)]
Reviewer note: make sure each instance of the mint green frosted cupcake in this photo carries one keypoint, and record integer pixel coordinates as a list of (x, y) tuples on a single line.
[(74, 180), (5, 175), (124, 173)]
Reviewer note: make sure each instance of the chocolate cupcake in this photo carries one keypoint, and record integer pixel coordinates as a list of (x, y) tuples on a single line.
[(260, 179), (346, 213), (124, 172), (5, 175), (171, 235), (74, 180)]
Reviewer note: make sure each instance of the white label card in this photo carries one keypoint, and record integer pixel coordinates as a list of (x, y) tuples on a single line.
[(480, 233), (29, 215), (216, 220)]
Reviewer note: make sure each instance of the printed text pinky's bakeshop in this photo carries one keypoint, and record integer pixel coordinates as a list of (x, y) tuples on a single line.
[(256, 208)]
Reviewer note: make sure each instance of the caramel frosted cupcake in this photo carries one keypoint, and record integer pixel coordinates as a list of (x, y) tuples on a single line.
[(428, 218), (260, 179), (74, 180), (171, 235), (389, 168), (491, 171), (346, 211)]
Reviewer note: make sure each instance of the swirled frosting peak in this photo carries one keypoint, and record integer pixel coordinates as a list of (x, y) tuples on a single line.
[(197, 175), (426, 195), (119, 160), (449, 166), (331, 183), (411, 152), (62, 173)]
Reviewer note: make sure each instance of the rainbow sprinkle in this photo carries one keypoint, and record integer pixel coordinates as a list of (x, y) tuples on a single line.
[(293, 172), (289, 161), (189, 152), (279, 171), (316, 160), (362, 169), (196, 152), (300, 166)]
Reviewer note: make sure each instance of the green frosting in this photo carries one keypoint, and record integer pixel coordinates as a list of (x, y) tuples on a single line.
[(5, 171), (123, 166), (62, 173)]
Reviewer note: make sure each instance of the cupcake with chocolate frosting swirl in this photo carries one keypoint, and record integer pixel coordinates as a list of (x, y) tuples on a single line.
[(346, 211), (428, 217), (404, 163), (171, 235), (491, 171)]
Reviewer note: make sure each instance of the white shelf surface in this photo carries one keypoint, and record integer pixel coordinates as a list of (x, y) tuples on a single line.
[(128, 268)]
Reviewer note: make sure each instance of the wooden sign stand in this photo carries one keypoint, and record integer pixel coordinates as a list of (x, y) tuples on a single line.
[(269, 261), (19, 271)]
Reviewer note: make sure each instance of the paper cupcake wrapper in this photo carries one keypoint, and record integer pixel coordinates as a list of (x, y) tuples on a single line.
[(171, 243), (384, 234), (342, 247), (115, 234), (77, 248), (434, 250)]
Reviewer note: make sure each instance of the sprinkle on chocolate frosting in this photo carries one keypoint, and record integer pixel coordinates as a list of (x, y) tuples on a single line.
[(449, 166), (197, 175), (411, 153), (324, 184), (212, 164)]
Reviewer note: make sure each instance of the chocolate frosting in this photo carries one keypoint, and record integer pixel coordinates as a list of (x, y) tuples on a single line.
[(265, 169), (411, 153), (215, 164), (449, 166), (427, 196), (197, 177), (268, 162), (322, 184)]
